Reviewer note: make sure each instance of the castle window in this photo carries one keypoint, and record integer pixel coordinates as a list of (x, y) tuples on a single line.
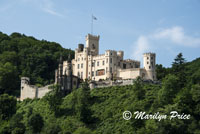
[(78, 66), (110, 69), (147, 62), (82, 65), (151, 63), (110, 60), (110, 53), (106, 69), (93, 64), (93, 47), (149, 67), (107, 60), (152, 58), (103, 62), (97, 63), (78, 74), (78, 59), (92, 73), (147, 58), (100, 72)]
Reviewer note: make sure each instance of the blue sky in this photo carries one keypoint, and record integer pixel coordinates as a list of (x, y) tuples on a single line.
[(165, 27)]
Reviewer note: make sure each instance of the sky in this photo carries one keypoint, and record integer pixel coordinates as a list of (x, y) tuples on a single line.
[(165, 27)]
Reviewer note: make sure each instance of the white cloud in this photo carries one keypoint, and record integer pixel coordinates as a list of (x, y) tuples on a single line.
[(45, 5), (140, 46), (176, 35), (48, 7), (145, 43)]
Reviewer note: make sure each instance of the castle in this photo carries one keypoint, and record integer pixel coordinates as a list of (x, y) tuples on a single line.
[(89, 64)]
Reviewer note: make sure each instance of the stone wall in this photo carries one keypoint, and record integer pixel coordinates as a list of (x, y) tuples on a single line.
[(102, 84), (31, 91)]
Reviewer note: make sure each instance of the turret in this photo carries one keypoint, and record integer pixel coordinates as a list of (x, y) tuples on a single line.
[(149, 65), (149, 61), (69, 66)]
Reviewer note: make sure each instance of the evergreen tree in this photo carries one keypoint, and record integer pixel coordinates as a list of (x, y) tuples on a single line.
[(178, 69)]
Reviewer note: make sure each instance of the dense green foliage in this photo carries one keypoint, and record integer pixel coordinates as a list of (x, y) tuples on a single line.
[(97, 111), (21, 55)]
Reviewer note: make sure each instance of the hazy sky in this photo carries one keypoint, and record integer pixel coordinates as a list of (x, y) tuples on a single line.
[(165, 27)]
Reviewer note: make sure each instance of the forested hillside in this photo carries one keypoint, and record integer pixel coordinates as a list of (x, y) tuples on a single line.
[(21, 55), (97, 111)]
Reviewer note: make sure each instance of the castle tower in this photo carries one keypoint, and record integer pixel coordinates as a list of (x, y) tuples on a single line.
[(92, 42), (69, 74), (24, 81), (149, 60), (60, 72), (24, 91)]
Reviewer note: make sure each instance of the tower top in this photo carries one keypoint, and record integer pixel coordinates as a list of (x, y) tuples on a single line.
[(149, 53), (93, 37)]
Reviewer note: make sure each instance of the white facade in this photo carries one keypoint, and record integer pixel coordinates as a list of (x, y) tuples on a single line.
[(89, 64)]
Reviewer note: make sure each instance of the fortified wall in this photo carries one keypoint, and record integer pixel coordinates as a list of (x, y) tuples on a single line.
[(32, 91)]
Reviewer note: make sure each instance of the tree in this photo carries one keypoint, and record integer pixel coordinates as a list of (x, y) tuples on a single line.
[(161, 71), (52, 128), (169, 89), (35, 123), (54, 99), (16, 124), (8, 78), (7, 106), (178, 68), (83, 130), (82, 107), (139, 92)]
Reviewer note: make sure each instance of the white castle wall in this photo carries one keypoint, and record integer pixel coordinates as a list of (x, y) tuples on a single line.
[(42, 91), (132, 73), (30, 91)]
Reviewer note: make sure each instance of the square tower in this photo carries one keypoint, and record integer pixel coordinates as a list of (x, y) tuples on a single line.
[(92, 43)]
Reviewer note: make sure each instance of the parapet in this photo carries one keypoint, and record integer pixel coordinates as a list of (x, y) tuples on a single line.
[(149, 53), (93, 37), (25, 80)]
